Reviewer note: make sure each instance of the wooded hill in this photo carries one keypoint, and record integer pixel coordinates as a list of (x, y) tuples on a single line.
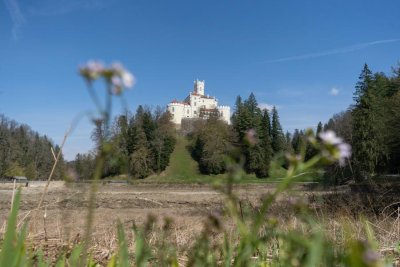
[(23, 152)]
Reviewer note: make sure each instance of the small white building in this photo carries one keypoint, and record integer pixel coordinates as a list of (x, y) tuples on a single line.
[(198, 105)]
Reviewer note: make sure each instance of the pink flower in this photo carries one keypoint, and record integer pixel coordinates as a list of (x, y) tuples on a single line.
[(125, 78), (116, 74), (92, 70), (341, 150), (251, 137)]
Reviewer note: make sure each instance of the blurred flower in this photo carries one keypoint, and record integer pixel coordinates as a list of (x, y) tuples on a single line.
[(336, 149), (128, 79), (121, 78), (330, 137), (250, 137), (92, 70), (117, 68), (117, 85), (116, 74), (344, 152), (370, 257)]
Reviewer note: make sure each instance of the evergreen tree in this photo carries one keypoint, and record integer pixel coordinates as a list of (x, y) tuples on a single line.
[(319, 128), (392, 122), (254, 111), (278, 138), (241, 118), (254, 153), (236, 112), (265, 145), (297, 141), (365, 145), (289, 146)]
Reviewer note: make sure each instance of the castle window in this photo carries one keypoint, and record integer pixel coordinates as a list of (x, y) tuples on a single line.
[(187, 111), (194, 103), (173, 109), (195, 112)]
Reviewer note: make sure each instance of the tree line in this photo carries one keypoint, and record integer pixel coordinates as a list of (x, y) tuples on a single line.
[(254, 137), (372, 126), (139, 145), (23, 152)]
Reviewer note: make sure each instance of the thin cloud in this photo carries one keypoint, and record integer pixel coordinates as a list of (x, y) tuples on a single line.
[(268, 107), (265, 106), (334, 91), (17, 17), (342, 50), (46, 8), (62, 7)]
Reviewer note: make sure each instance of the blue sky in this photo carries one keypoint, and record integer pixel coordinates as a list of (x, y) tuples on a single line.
[(302, 56)]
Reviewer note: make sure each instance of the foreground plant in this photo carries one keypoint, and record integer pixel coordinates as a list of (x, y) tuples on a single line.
[(256, 238), (116, 79)]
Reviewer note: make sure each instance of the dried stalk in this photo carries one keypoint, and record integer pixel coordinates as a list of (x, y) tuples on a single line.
[(57, 158)]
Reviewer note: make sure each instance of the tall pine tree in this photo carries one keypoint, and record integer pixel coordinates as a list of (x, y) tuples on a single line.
[(265, 144), (278, 138), (365, 145)]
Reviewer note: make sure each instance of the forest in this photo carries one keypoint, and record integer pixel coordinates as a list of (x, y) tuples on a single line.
[(371, 126), (141, 144), (24, 152)]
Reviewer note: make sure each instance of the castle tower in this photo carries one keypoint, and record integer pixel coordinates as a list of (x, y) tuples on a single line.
[(199, 87), (225, 113)]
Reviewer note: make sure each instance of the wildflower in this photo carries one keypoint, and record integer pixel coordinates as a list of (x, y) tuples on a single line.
[(128, 79), (117, 85), (251, 137), (370, 257), (330, 137), (336, 149), (92, 70), (116, 75), (117, 68), (120, 78)]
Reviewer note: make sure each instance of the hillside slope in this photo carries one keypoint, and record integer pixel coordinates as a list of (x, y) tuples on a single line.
[(182, 166)]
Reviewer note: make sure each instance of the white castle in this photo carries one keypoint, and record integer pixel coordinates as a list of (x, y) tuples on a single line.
[(198, 105)]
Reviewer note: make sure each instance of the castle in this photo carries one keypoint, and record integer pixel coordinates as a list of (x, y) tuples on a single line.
[(198, 105)]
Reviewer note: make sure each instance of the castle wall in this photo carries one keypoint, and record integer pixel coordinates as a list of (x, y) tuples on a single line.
[(225, 113), (190, 108), (177, 111)]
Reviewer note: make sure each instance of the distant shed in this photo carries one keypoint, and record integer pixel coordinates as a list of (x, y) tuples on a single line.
[(17, 179)]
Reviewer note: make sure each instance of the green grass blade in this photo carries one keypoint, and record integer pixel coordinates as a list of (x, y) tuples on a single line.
[(123, 254), (8, 252)]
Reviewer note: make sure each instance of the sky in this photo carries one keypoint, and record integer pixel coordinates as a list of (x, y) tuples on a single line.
[(304, 57)]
